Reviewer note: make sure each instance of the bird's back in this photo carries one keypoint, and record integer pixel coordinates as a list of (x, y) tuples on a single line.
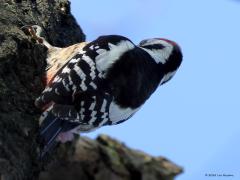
[(58, 57)]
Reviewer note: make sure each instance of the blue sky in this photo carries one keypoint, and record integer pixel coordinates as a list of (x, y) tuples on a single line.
[(194, 119)]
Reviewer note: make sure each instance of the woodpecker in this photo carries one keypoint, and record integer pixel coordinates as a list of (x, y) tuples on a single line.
[(99, 83)]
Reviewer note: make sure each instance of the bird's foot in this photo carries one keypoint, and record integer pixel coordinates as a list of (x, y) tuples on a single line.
[(34, 31)]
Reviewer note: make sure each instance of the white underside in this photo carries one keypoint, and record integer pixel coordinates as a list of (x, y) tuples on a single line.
[(116, 113)]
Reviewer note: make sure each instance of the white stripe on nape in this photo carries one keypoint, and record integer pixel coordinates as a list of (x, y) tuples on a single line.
[(105, 58)]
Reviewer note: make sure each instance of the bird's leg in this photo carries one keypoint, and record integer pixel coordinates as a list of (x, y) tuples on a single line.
[(35, 32)]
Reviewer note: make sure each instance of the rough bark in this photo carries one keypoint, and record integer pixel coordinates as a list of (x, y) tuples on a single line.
[(106, 158), (21, 70)]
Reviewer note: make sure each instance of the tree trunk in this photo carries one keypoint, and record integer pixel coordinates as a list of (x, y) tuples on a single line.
[(21, 70), (22, 64)]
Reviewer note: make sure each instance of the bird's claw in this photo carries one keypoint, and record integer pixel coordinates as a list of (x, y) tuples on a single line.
[(32, 32), (26, 29)]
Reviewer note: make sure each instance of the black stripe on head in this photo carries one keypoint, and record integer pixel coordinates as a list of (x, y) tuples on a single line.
[(154, 46)]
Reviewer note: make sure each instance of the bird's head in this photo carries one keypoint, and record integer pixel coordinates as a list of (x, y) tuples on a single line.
[(166, 53)]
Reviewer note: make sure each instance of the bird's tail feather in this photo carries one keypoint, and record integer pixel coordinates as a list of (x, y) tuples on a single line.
[(51, 126), (49, 131)]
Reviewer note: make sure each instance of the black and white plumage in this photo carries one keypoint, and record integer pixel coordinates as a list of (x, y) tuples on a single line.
[(103, 83)]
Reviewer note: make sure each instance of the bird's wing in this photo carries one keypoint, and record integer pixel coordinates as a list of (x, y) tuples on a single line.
[(93, 108), (79, 93), (58, 57), (85, 71)]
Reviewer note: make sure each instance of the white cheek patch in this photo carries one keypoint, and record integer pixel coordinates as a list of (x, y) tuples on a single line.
[(106, 58), (159, 55)]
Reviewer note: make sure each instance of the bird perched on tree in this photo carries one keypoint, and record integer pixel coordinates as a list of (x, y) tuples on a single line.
[(103, 82)]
